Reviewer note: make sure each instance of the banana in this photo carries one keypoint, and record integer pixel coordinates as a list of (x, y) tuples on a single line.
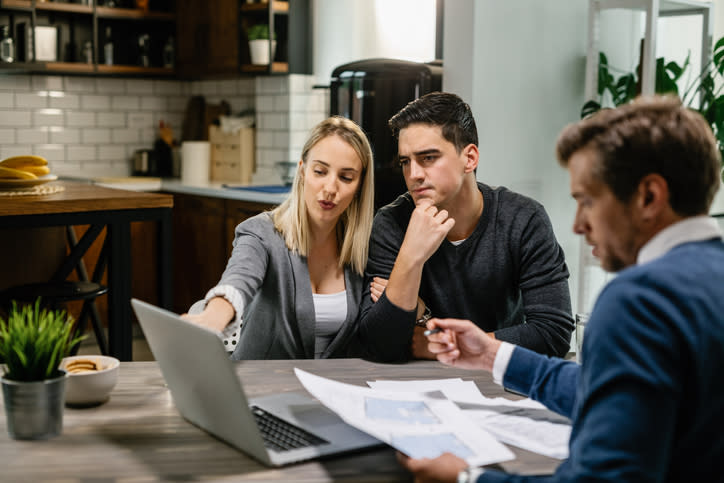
[(28, 160), (36, 170), (10, 173)]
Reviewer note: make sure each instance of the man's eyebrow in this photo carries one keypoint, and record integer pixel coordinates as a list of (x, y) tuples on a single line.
[(427, 151)]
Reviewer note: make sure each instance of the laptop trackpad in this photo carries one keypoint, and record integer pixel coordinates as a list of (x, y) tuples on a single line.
[(299, 409), (313, 415)]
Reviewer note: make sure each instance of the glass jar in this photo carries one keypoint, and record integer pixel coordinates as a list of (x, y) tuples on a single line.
[(7, 46)]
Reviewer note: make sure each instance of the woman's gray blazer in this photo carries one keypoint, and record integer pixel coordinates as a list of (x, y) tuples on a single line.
[(278, 319)]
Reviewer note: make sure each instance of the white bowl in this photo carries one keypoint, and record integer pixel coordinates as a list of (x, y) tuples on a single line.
[(90, 388)]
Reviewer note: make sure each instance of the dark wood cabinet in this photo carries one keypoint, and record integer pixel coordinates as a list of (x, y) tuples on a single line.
[(143, 40), (213, 38), (203, 231), (290, 21)]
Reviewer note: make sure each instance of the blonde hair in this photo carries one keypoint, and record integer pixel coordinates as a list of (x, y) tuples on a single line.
[(355, 224)]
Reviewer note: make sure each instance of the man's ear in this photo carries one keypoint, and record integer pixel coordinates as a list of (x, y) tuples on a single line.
[(653, 195), (472, 156)]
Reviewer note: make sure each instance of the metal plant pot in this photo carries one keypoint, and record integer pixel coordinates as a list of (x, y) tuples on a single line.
[(34, 410)]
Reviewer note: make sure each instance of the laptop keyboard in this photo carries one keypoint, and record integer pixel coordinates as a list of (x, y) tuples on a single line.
[(280, 435)]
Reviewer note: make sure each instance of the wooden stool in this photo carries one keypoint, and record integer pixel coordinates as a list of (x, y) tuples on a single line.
[(53, 293)]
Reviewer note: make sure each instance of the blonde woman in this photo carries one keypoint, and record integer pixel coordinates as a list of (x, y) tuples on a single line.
[(293, 285)]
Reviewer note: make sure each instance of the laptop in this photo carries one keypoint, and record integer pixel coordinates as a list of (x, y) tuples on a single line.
[(276, 430)]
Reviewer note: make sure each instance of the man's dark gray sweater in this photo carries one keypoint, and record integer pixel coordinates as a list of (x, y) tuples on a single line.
[(509, 277)]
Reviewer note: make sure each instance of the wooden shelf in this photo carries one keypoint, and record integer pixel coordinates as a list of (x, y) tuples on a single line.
[(133, 13), (134, 69), (64, 7), (261, 7), (276, 68), (18, 4), (71, 67)]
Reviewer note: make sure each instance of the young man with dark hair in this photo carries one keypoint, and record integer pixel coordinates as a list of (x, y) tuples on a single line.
[(468, 250), (647, 403)]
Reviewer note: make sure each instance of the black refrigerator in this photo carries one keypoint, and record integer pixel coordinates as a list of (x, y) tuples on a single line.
[(370, 92)]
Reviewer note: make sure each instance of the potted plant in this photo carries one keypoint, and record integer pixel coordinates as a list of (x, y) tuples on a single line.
[(260, 50), (703, 88), (33, 341)]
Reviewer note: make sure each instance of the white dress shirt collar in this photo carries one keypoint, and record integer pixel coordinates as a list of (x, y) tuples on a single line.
[(697, 228)]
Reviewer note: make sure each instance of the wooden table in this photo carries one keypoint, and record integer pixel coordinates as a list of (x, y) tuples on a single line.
[(138, 434), (99, 207)]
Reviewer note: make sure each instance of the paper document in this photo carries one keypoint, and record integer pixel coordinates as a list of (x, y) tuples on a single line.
[(524, 423), (419, 425)]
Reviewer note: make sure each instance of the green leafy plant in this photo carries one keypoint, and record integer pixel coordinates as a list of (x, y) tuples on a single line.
[(259, 31), (624, 88), (33, 341)]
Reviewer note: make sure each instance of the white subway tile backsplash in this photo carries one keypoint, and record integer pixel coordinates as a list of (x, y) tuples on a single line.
[(140, 119), (139, 86), (47, 82), (7, 136), (63, 135), (111, 119), (68, 168), (110, 86), (51, 152), (125, 136), (177, 103), (61, 100), (31, 100), (277, 122), (81, 153), (271, 85), (264, 139), (106, 168), (37, 135), (95, 136), (95, 102), (300, 84), (15, 118), (228, 87), (280, 139), (80, 119), (94, 125), (281, 103), (15, 83), (15, 150), (48, 117), (111, 153), (246, 86), (85, 85), (124, 103), (7, 99), (209, 87), (167, 88), (149, 103)]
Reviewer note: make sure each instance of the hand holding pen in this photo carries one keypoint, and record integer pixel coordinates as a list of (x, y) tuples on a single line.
[(461, 343)]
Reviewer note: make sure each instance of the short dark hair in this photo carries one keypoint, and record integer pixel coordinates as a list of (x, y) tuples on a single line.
[(439, 109), (650, 135)]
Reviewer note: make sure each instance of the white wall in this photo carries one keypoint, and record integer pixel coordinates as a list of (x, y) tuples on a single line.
[(350, 30), (520, 65)]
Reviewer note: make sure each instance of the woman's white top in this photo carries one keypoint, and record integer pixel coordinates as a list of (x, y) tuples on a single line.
[(330, 311)]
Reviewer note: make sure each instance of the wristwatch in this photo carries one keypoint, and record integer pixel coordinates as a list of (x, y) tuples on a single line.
[(469, 474), (422, 321)]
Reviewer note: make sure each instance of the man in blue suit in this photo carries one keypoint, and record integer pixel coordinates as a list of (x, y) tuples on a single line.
[(647, 403)]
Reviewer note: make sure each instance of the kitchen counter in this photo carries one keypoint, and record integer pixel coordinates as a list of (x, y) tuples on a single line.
[(171, 185)]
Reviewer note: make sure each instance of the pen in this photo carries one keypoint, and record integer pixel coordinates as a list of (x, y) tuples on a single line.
[(429, 332)]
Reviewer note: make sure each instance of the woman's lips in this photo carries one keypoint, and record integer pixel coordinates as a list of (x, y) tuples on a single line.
[(327, 205)]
